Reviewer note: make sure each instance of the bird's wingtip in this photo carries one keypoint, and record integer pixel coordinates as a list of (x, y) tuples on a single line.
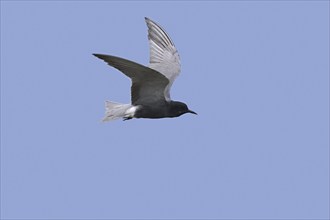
[(148, 20), (97, 55)]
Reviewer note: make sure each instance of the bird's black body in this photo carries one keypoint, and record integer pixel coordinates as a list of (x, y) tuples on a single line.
[(150, 90), (162, 109)]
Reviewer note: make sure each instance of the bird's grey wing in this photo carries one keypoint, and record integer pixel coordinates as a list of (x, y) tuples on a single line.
[(146, 82), (164, 57)]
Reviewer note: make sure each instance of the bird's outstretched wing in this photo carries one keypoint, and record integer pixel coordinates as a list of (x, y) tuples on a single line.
[(164, 56), (147, 83)]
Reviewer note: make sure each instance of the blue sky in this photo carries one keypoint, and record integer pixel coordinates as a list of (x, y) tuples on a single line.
[(256, 72)]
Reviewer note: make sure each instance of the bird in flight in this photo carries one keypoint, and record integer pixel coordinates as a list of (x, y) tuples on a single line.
[(150, 90)]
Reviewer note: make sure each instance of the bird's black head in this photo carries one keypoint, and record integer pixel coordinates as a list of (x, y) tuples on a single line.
[(179, 108)]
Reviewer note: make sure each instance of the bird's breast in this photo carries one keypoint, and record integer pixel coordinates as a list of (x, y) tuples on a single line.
[(151, 111)]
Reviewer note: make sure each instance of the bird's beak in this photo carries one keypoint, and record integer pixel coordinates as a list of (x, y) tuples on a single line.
[(192, 112)]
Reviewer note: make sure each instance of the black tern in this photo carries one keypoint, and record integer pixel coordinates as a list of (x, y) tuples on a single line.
[(150, 90)]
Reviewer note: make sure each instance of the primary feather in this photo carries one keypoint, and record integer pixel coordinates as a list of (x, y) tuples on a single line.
[(164, 57)]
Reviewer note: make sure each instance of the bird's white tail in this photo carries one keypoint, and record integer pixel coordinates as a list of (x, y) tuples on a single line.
[(115, 111)]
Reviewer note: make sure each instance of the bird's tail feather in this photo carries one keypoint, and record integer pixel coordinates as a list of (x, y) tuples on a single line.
[(115, 111)]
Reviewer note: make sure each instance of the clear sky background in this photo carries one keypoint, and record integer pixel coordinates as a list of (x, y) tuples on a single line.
[(256, 72)]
